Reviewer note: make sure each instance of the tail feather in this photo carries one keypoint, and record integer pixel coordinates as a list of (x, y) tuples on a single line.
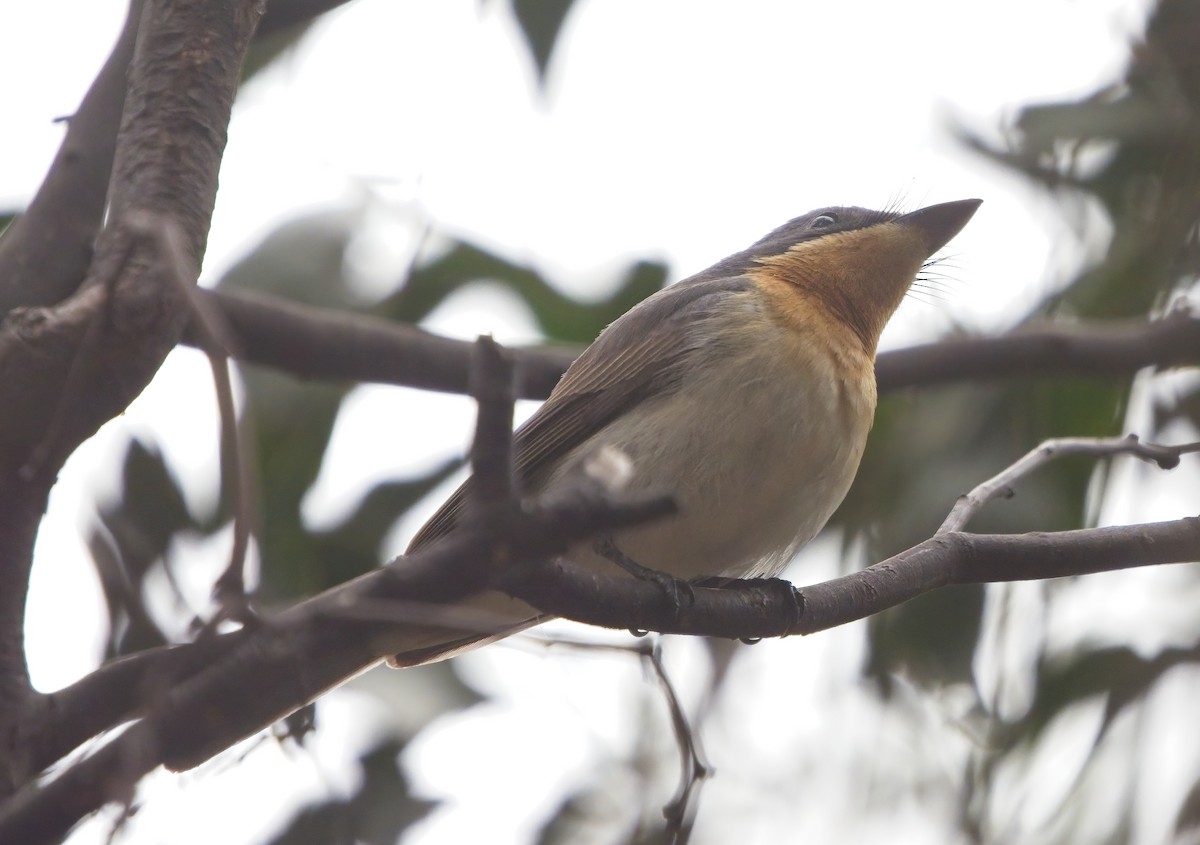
[(477, 621)]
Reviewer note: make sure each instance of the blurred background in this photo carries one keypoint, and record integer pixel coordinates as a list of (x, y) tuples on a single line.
[(530, 169)]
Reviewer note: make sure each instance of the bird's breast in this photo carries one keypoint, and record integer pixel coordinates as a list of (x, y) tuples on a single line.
[(758, 445)]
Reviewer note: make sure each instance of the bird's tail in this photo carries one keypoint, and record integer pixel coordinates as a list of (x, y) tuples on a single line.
[(476, 621)]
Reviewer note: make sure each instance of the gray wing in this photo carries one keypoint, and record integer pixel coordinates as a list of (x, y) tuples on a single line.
[(635, 358)]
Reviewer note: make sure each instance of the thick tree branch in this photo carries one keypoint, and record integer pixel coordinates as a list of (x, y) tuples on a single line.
[(767, 609), (46, 251), (172, 136), (75, 365), (115, 693), (316, 343)]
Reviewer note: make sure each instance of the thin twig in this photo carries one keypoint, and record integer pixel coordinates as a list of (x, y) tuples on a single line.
[(218, 343), (969, 504), (694, 768)]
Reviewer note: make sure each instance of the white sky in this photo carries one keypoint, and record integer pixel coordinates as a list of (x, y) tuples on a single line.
[(672, 129)]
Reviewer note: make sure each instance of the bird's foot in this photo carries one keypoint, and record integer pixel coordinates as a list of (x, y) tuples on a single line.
[(676, 590), (793, 598)]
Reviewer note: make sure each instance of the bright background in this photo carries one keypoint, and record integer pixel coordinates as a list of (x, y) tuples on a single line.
[(673, 130)]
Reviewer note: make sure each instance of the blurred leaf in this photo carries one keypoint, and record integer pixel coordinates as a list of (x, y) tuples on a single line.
[(383, 808), (290, 424), (353, 547), (377, 814), (600, 810), (1132, 146), (541, 23), (266, 50), (1182, 406), (929, 640), (328, 823), (559, 316), (131, 537), (302, 259), (300, 562), (1118, 673)]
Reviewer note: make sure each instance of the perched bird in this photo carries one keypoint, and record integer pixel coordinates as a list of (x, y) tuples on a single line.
[(746, 391)]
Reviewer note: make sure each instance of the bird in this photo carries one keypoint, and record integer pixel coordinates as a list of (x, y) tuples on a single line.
[(745, 391)]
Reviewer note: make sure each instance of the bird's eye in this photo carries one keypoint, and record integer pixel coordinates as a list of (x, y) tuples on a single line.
[(823, 222)]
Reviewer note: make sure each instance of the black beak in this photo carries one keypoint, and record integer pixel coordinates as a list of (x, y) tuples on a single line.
[(939, 223)]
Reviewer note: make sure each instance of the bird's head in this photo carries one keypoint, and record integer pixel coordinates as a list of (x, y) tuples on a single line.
[(853, 263)]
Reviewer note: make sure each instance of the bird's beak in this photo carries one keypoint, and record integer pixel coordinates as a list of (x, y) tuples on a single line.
[(937, 224)]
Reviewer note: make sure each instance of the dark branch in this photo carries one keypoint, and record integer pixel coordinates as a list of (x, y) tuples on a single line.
[(297, 655), (46, 251), (768, 608), (115, 693), (1112, 348), (314, 343), (72, 366), (492, 490), (318, 343)]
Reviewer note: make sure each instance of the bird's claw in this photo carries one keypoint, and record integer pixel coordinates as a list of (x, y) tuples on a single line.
[(675, 589)]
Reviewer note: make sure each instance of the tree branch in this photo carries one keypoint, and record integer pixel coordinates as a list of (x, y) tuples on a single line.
[(969, 504), (316, 343), (46, 251), (1102, 348), (75, 365), (117, 692), (767, 608)]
